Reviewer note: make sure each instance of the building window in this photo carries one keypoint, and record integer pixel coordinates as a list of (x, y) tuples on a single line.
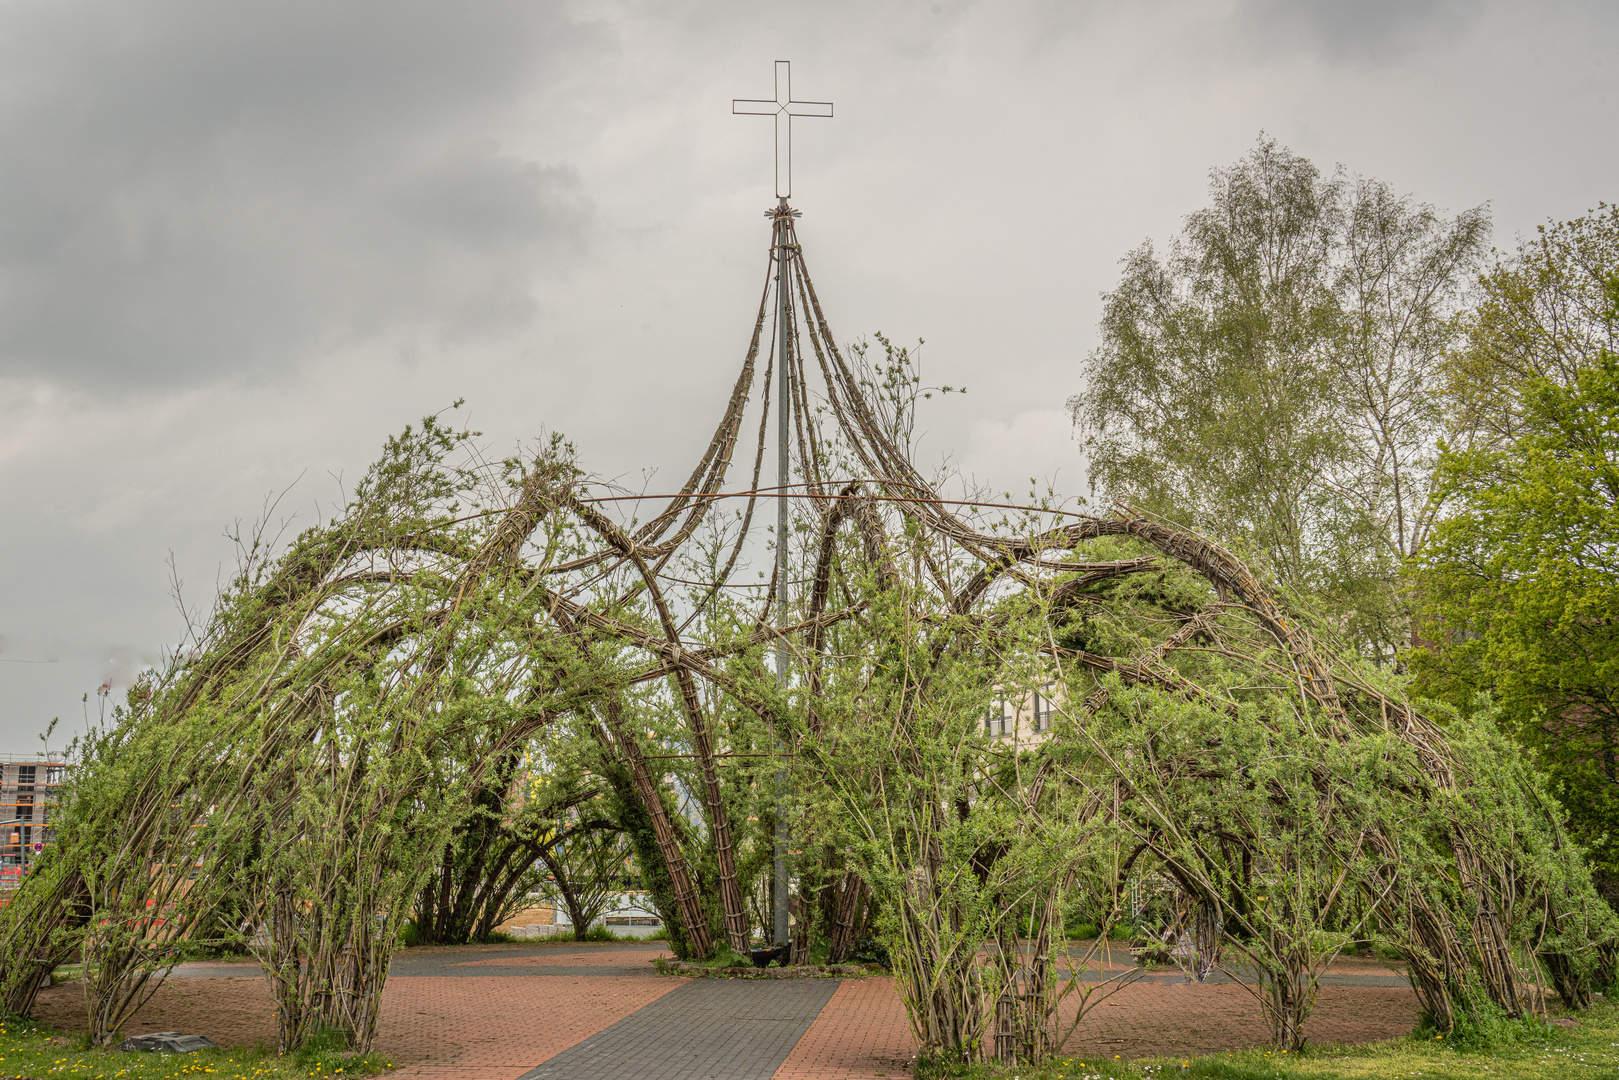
[(997, 722), (25, 808), (1042, 710)]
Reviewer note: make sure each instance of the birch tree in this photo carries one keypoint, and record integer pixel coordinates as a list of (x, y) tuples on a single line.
[(1272, 379)]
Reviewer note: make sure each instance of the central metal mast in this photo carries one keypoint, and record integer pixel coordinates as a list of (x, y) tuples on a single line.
[(784, 109), (784, 426)]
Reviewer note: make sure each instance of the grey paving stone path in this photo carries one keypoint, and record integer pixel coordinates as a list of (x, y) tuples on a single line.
[(482, 971), (485, 970), (709, 1029), (460, 962), (1220, 977)]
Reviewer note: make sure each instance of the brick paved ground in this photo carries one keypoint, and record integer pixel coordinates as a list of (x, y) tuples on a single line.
[(1170, 1019), (862, 1033), (232, 1012), (500, 1028), (480, 1028), (496, 1013)]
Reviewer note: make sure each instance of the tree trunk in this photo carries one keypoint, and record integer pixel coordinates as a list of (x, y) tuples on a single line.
[(850, 905), (1208, 937), (737, 933), (674, 861), (799, 953), (576, 913), (440, 927)]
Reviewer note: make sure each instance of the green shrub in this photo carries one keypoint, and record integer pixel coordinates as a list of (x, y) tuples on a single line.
[(1482, 1025), (868, 950), (725, 957)]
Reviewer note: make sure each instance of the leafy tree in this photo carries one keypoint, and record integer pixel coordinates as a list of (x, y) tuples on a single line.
[(587, 860), (1548, 311), (501, 851), (1269, 381), (292, 756), (1523, 587), (958, 836)]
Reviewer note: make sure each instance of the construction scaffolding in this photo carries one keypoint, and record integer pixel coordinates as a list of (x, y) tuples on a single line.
[(28, 787)]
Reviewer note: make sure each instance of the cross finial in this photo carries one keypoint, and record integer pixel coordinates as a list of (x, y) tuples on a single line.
[(784, 108)]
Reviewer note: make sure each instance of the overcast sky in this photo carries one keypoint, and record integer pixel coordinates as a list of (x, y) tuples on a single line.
[(242, 243)]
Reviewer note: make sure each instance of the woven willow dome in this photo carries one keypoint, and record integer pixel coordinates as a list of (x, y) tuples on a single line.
[(356, 699)]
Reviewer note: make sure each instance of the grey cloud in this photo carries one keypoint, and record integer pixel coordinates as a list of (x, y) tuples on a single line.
[(191, 190), (1358, 31)]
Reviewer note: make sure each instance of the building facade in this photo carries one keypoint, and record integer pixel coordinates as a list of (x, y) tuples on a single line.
[(28, 786), (1023, 719)]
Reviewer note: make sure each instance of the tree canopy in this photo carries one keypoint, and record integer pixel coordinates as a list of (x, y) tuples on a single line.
[(1548, 310), (1517, 592), (1522, 583), (1272, 379)]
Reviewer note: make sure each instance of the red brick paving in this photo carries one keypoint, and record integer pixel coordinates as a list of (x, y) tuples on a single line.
[(1172, 1019), (497, 1028), (458, 1028), (231, 1011), (861, 1033), (476, 1027)]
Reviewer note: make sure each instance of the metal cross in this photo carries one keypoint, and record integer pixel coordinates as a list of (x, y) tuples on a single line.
[(784, 108)]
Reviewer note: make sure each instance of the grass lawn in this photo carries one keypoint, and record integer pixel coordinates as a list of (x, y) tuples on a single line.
[(1589, 1050), (33, 1051)]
